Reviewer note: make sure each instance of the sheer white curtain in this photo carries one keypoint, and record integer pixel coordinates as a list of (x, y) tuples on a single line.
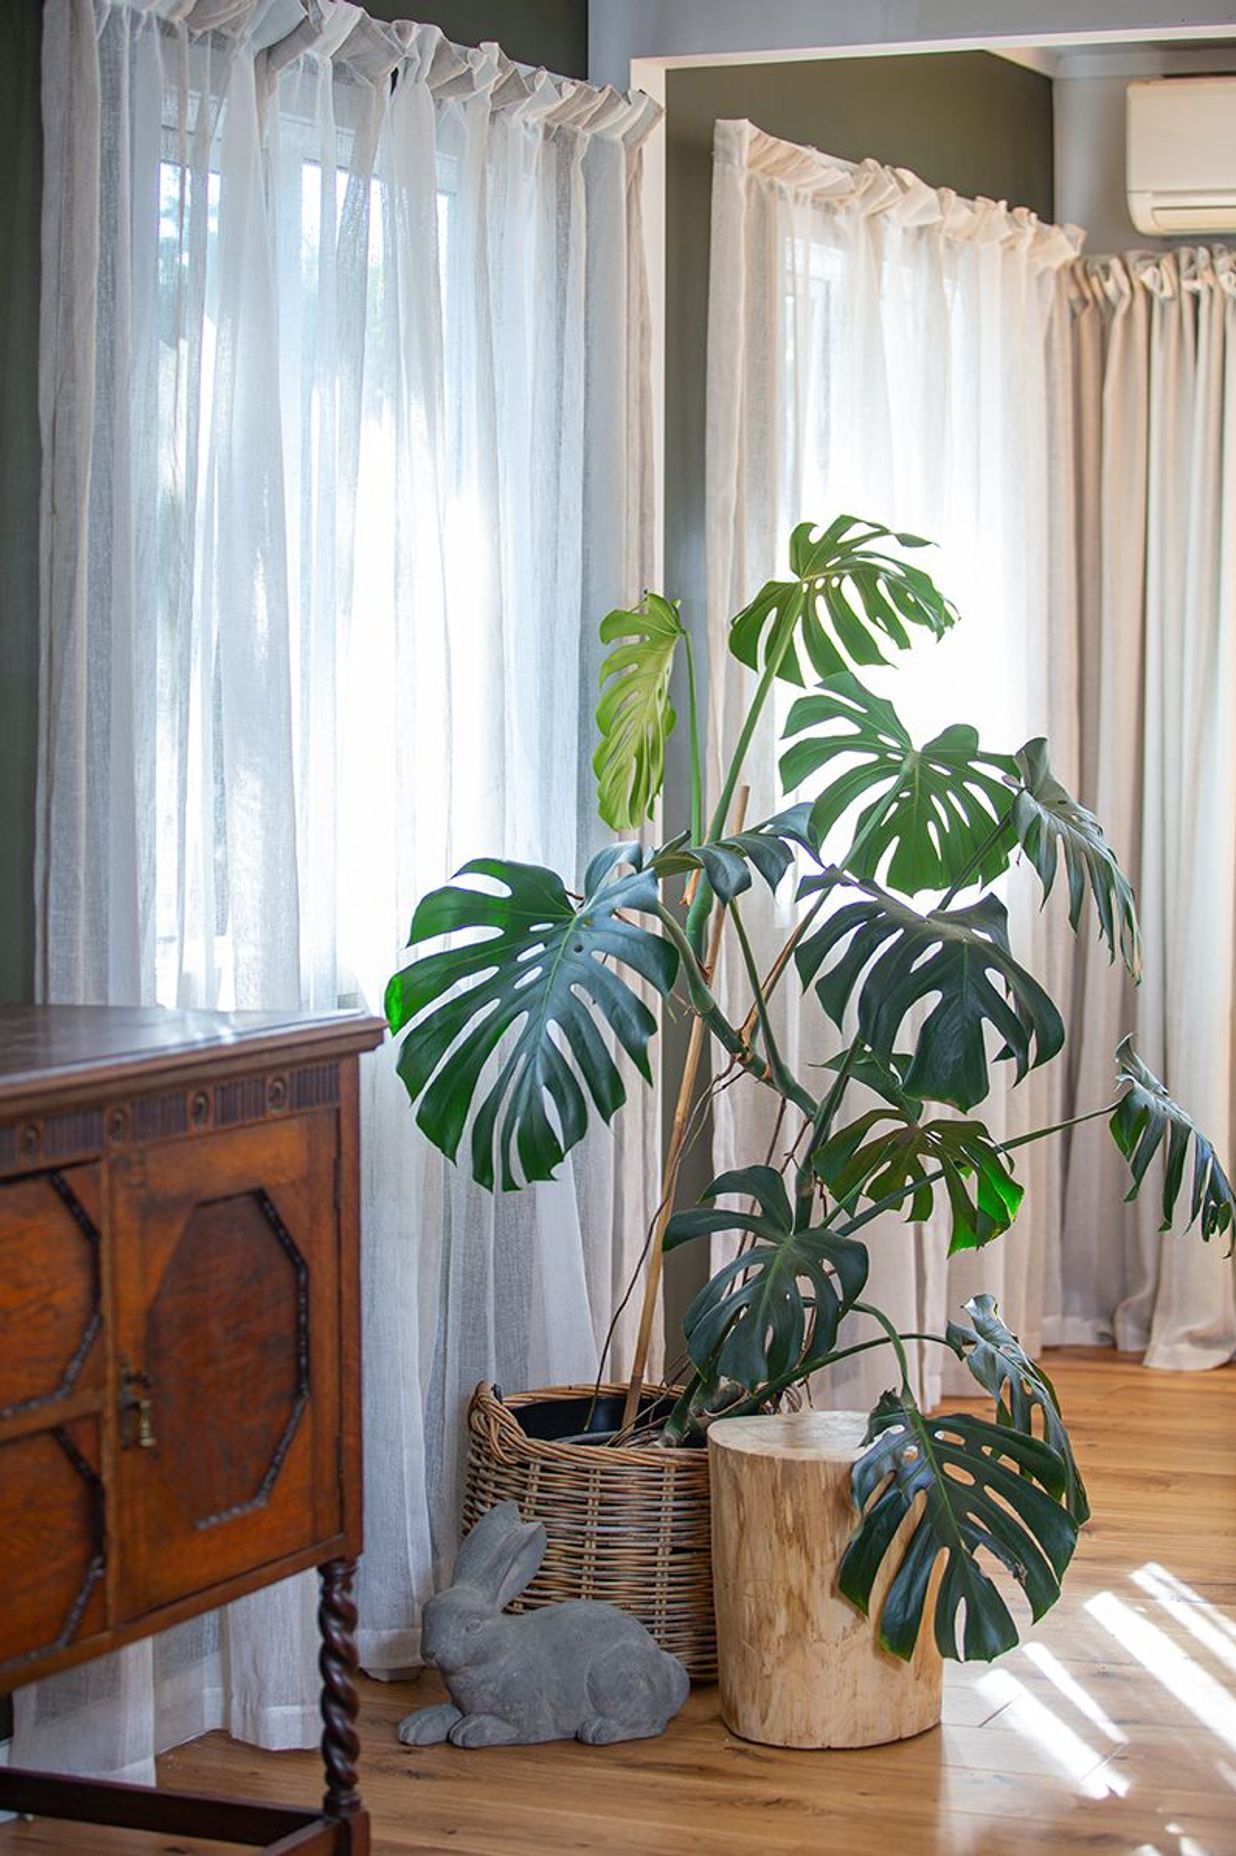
[(345, 400), (1152, 455), (881, 348)]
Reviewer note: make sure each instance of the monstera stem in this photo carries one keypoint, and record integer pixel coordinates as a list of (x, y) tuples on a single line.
[(976, 861), (701, 907), (727, 1035), (894, 1339), (773, 1388), (773, 977), (832, 1101), (1057, 1127), (778, 1074), (745, 736), (822, 1124)]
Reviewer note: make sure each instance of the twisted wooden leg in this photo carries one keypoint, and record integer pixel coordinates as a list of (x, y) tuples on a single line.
[(340, 1740)]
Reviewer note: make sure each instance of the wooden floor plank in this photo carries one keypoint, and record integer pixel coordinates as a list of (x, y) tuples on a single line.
[(1111, 1729)]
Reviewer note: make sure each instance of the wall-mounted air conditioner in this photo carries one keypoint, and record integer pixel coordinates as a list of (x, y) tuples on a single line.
[(1182, 155)]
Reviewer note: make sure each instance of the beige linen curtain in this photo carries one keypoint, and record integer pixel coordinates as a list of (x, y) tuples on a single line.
[(1149, 461)]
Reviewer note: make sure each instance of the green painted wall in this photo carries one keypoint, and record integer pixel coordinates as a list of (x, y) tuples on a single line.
[(965, 120), (549, 32)]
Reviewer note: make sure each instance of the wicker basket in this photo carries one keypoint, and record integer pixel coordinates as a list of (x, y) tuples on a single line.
[(630, 1526)]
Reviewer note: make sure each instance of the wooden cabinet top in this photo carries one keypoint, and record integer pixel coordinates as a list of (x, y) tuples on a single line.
[(47, 1049)]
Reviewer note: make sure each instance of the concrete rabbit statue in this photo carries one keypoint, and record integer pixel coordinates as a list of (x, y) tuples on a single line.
[(578, 1669)]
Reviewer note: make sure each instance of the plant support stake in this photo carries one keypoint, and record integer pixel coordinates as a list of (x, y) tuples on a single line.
[(673, 1160)]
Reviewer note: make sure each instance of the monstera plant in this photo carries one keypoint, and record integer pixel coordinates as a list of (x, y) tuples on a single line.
[(523, 995)]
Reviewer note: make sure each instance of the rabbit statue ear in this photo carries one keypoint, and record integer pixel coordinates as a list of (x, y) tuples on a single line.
[(486, 1548), (523, 1557)]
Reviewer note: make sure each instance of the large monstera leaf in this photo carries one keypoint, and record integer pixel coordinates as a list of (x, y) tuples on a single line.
[(885, 1152), (846, 599), (753, 1322), (1052, 827), (985, 1488), (959, 956), (544, 966), (1020, 1388), (635, 715), (1146, 1116), (933, 814)]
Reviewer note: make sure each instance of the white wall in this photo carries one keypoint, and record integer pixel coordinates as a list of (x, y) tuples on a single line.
[(698, 30)]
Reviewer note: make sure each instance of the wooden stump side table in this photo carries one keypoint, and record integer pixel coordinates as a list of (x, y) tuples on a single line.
[(179, 1361), (799, 1665)]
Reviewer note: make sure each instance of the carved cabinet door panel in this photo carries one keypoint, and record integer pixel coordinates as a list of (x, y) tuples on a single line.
[(52, 1551), (52, 1543), (51, 1301), (227, 1352)]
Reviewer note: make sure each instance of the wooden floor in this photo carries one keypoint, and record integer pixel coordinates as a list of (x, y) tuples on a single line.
[(1113, 1727)]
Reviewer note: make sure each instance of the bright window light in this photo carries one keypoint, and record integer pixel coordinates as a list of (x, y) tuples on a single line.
[(193, 915)]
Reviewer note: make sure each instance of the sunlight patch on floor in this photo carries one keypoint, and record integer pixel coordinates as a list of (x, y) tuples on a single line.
[(1029, 1716), (1178, 1672), (1182, 1612), (1184, 1607), (1072, 1690)]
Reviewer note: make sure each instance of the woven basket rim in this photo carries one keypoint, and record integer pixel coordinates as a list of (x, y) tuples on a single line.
[(486, 1411)]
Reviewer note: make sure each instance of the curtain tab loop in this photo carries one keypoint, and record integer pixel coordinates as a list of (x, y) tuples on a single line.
[(327, 25), (918, 204), (1196, 269), (1107, 279), (1156, 272)]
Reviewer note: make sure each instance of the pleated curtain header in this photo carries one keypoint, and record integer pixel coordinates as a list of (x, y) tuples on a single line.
[(868, 189), (1192, 270), (280, 31)]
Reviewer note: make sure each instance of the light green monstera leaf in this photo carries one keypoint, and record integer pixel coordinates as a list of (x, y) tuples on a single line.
[(635, 715)]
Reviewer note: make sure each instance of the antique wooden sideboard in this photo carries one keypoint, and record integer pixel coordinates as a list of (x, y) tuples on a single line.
[(179, 1360)]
